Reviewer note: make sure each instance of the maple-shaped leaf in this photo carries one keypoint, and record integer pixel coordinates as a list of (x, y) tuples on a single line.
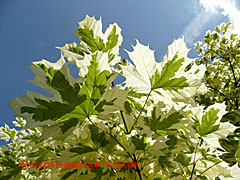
[(208, 121), (118, 96), (72, 102), (81, 149), (138, 76), (101, 59), (158, 123), (168, 81), (13, 170), (55, 78), (92, 39), (98, 141), (230, 147), (140, 142), (90, 33)]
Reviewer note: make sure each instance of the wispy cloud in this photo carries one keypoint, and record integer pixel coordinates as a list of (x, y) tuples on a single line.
[(206, 10)]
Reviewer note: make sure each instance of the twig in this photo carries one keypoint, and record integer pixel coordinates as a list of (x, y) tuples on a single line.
[(134, 156), (194, 163), (135, 121), (211, 167), (124, 122), (220, 93)]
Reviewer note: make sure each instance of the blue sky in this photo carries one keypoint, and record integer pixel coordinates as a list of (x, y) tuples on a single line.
[(30, 30)]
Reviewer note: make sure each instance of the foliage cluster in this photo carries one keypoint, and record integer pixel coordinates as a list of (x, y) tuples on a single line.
[(178, 118)]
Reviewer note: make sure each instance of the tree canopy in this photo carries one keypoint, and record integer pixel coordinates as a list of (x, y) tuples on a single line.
[(177, 119)]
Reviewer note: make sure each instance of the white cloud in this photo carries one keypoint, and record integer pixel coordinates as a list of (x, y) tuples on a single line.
[(227, 8), (206, 10)]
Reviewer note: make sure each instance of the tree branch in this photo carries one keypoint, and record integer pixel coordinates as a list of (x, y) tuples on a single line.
[(134, 156), (220, 93), (233, 72)]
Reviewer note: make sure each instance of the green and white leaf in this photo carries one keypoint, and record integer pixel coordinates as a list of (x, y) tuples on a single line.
[(139, 77), (73, 100), (117, 95), (160, 123), (92, 38), (167, 80), (101, 59), (43, 77), (207, 124), (74, 51)]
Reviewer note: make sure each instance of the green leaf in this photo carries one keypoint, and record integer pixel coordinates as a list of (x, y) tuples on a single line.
[(73, 51), (165, 80), (140, 143), (82, 149), (203, 177), (69, 124), (127, 107), (99, 173), (7, 162), (53, 109), (135, 103), (61, 107), (94, 42), (230, 146), (93, 89), (164, 162), (206, 126), (12, 134), (41, 153), (68, 174), (233, 117), (183, 159), (12, 168), (134, 94), (174, 174), (172, 141), (156, 123), (11, 173), (98, 138), (73, 100), (87, 36), (112, 39)]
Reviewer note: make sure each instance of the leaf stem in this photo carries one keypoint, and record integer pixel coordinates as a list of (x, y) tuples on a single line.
[(194, 159), (109, 135), (135, 121), (124, 122), (134, 156), (212, 166), (137, 168), (183, 174)]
